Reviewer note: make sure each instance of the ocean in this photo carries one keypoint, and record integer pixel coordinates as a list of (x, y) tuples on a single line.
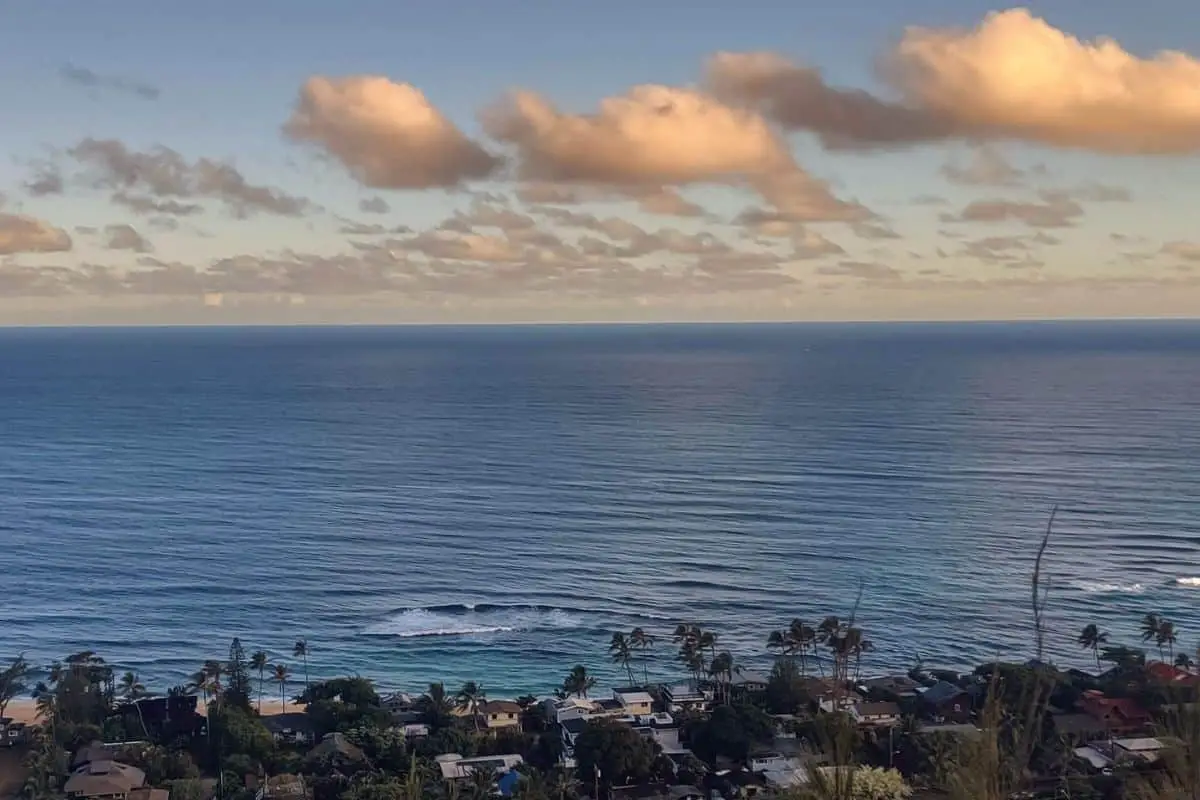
[(491, 503)]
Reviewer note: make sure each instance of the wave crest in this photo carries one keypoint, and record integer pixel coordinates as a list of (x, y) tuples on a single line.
[(1192, 582), (1102, 587), (471, 620)]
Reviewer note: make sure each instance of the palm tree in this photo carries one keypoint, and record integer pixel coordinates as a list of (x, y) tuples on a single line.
[(470, 697), (281, 675), (131, 687), (622, 653), (1091, 638), (1167, 635), (564, 786), (300, 650), (199, 683), (804, 637), (1150, 626), (642, 642), (213, 672), (578, 682), (436, 706), (721, 668), (1184, 661), (258, 661)]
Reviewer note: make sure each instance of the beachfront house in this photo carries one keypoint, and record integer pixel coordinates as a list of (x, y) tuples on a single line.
[(946, 702), (875, 715), (12, 733), (1170, 674), (781, 772), (660, 728), (748, 683), (1105, 754), (454, 767), (104, 780), (897, 688), (496, 714), (1119, 716), (634, 702), (293, 728), (686, 696)]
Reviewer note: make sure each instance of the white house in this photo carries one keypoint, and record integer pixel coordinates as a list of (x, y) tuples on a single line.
[(876, 715), (455, 767)]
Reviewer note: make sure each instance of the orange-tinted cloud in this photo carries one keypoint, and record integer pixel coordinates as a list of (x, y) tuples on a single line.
[(1012, 77), (387, 135)]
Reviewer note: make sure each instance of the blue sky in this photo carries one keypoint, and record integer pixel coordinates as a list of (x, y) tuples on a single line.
[(228, 76)]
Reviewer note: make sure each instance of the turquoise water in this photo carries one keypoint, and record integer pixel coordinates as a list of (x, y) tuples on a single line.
[(490, 503)]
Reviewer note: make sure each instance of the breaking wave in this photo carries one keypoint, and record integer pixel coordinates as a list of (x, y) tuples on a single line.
[(1192, 582), (472, 620), (1102, 587)]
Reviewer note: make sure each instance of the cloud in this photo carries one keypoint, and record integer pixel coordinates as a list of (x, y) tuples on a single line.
[(864, 270), (1012, 77), (988, 167), (1057, 210), (874, 230), (22, 234), (1102, 193), (374, 205), (81, 76), (46, 180), (666, 202), (387, 135), (1006, 250), (126, 237), (155, 181), (808, 244), (652, 135), (1188, 251)]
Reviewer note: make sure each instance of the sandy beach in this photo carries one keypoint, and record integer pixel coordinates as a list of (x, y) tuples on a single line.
[(26, 710)]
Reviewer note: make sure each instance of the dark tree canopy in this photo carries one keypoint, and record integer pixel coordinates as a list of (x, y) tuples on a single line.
[(616, 752)]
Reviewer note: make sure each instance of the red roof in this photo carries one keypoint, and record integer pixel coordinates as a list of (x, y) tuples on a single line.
[(1168, 673), (1097, 705)]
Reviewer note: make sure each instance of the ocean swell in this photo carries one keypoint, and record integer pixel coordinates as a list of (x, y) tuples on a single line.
[(1102, 587), (471, 620)]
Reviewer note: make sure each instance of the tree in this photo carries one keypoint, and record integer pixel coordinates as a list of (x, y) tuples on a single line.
[(785, 688), (1184, 661), (622, 653), (643, 643), (258, 662), (436, 707), (214, 672), (12, 682), (876, 783), (1168, 636), (731, 731), (610, 753), (238, 671), (470, 697), (300, 650), (578, 682), (281, 674), (1151, 625), (721, 668), (563, 784), (1091, 638), (131, 687)]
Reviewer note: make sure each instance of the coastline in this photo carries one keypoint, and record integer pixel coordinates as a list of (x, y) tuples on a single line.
[(25, 710)]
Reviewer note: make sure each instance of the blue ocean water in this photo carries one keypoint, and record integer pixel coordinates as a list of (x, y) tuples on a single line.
[(491, 503)]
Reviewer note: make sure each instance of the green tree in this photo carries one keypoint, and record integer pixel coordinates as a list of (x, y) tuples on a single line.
[(786, 692), (578, 682), (621, 652), (1167, 636), (1151, 625), (238, 672), (436, 707), (132, 687), (300, 650), (1092, 638), (610, 753), (259, 663), (281, 675), (13, 682), (470, 698), (731, 731)]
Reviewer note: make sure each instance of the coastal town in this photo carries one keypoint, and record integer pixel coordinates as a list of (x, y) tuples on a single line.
[(811, 727)]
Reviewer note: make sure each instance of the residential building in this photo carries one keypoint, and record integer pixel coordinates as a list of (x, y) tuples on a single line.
[(1118, 715), (1105, 754), (946, 702), (892, 687), (876, 715), (746, 683), (634, 702), (660, 728), (293, 728), (455, 767), (1170, 674), (12, 733), (496, 714), (104, 780), (780, 772), (686, 697)]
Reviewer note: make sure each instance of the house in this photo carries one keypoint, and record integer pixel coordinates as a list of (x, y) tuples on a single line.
[(1077, 726), (634, 702), (891, 687), (876, 715), (946, 702), (780, 772), (104, 780), (1104, 754), (147, 793), (686, 697), (293, 728), (1118, 715), (283, 787), (398, 702), (336, 746), (496, 714), (659, 728), (455, 767), (747, 682), (12, 733), (414, 730), (832, 700), (1170, 674)]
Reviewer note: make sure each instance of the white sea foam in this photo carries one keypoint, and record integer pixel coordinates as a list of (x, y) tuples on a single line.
[(419, 622), (1108, 587), (1191, 582)]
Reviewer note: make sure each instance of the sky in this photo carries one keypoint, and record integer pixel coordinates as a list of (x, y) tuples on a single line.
[(372, 161)]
